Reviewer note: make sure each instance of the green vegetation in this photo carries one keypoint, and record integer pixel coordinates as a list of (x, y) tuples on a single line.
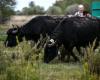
[(21, 63), (63, 4), (2, 32), (91, 63), (32, 9), (59, 8), (6, 9), (26, 63), (54, 10)]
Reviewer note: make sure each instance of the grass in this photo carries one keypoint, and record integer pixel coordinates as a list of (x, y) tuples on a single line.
[(3, 30), (60, 71), (25, 63), (18, 68)]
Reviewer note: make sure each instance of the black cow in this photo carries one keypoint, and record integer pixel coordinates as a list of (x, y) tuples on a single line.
[(74, 31), (32, 30)]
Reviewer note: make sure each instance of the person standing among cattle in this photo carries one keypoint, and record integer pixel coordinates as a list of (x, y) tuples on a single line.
[(81, 12)]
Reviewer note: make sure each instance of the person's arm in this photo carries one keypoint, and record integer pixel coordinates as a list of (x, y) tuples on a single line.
[(76, 14), (89, 15)]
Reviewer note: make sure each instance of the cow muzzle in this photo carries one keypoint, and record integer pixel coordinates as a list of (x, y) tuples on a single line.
[(51, 42)]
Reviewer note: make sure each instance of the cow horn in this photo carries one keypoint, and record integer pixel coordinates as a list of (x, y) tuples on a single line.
[(17, 26), (13, 25)]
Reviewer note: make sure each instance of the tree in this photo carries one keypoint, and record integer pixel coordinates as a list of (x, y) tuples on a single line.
[(71, 9), (25, 11), (31, 4), (18, 12), (6, 8), (54, 10), (39, 10), (63, 4), (32, 9)]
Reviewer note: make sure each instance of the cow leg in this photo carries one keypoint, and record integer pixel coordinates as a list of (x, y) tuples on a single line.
[(73, 55), (63, 54), (80, 52), (68, 53), (78, 49), (68, 57)]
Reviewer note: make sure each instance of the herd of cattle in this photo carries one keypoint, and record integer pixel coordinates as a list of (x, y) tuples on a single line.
[(67, 31)]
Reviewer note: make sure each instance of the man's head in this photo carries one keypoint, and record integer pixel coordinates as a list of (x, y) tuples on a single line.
[(81, 8)]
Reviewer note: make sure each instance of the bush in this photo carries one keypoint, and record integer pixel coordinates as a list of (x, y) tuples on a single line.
[(70, 10), (91, 63), (96, 63), (55, 10), (15, 66)]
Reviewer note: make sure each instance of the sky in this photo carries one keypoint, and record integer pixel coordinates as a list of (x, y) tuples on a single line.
[(24, 3)]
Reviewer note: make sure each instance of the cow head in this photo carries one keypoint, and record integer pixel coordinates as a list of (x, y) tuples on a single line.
[(13, 37), (50, 51)]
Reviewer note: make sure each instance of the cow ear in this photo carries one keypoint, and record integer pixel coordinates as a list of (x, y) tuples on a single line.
[(13, 25), (17, 26)]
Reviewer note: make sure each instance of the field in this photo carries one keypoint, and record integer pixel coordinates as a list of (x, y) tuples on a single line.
[(26, 63)]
